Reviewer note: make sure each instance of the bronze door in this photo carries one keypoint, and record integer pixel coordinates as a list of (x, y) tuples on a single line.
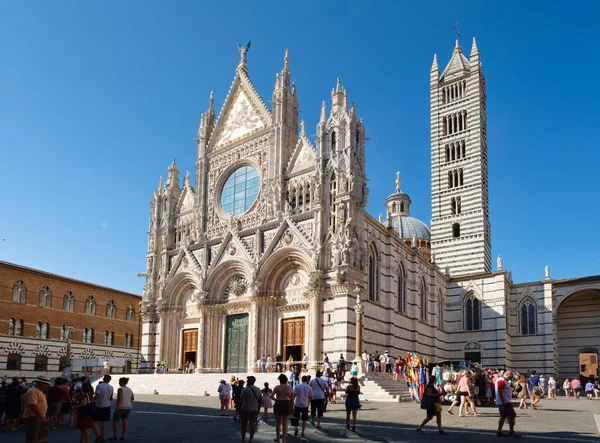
[(236, 356)]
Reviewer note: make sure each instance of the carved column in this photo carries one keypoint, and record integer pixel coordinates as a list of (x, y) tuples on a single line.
[(254, 318), (359, 309), (316, 301), (200, 359)]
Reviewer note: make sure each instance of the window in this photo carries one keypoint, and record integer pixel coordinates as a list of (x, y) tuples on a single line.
[(109, 338), (333, 141), (528, 317), (440, 311), (15, 327), (373, 276), (130, 313), (90, 305), (455, 206), (456, 230), (472, 312), (42, 330), (423, 294), (63, 362), (88, 335), (129, 340), (13, 362), (19, 292), (41, 363), (66, 332), (332, 194), (45, 297), (69, 302), (111, 309), (240, 190), (455, 178), (401, 290)]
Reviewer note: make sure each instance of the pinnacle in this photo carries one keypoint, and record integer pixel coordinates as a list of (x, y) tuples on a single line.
[(338, 86), (303, 128), (286, 60), (434, 65), (211, 100), (474, 50), (457, 47)]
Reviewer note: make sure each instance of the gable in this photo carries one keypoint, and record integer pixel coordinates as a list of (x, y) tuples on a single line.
[(303, 159), (186, 200)]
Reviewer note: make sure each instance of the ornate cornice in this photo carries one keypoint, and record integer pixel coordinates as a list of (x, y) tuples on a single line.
[(293, 308)]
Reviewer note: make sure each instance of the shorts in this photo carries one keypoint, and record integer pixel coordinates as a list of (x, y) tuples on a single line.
[(121, 414), (462, 393), (507, 410), (301, 411), (102, 414), (54, 408), (317, 407), (225, 401), (35, 429), (250, 416), (282, 407)]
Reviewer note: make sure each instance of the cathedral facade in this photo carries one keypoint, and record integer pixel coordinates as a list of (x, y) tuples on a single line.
[(272, 250)]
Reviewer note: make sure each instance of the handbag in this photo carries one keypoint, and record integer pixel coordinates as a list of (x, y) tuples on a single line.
[(294, 421), (437, 407), (425, 401), (88, 410), (325, 393)]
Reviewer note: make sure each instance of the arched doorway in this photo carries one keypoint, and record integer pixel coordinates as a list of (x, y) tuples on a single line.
[(578, 333)]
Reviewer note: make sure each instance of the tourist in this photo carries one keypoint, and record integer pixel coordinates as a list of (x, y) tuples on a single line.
[(396, 372), (263, 364), (296, 375), (123, 408), (305, 361), (522, 391), (236, 392), (278, 362), (333, 388), (65, 405), (224, 391), (290, 361), (14, 392), (383, 363), (85, 413), (250, 399), (354, 370), (266, 400), (192, 368), (233, 381), (504, 403), (567, 387), (320, 390), (543, 384), (283, 396), (597, 390), (103, 397), (365, 361), (576, 387), (589, 389), (302, 398), (35, 410), (54, 396), (551, 389), (535, 389), (269, 363), (466, 394), (352, 402), (431, 403)]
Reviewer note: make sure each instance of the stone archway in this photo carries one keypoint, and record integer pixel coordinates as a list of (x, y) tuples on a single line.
[(578, 330)]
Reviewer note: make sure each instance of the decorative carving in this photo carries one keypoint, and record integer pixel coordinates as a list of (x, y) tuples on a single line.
[(42, 350), (130, 357), (288, 237), (295, 279), (108, 354), (62, 352), (15, 348), (237, 286), (232, 249), (88, 353)]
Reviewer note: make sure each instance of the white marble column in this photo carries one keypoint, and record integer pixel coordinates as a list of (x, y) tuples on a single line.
[(316, 320), (200, 351), (254, 334)]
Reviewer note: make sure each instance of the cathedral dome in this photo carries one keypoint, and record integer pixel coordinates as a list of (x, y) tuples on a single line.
[(408, 227)]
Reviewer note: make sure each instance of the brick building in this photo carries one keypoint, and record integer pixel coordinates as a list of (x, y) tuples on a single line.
[(40, 311)]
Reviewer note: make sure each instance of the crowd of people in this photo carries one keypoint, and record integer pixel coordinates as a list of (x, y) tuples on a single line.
[(72, 402), (297, 397)]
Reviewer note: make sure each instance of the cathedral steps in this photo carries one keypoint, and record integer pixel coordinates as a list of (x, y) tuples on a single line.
[(380, 385)]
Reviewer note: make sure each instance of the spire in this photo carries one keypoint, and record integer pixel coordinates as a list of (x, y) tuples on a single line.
[(302, 129), (457, 47), (323, 111), (434, 65), (186, 180), (397, 181), (286, 60), (474, 52), (211, 101), (173, 166), (338, 87), (160, 183)]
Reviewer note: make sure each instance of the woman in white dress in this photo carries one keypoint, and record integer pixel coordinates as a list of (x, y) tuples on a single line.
[(266, 400)]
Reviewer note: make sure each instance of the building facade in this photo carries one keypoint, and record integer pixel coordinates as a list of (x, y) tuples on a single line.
[(272, 251), (40, 313)]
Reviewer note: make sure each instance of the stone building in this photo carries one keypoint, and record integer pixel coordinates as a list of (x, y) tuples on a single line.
[(40, 312), (272, 250)]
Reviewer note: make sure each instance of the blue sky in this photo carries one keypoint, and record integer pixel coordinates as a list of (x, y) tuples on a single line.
[(96, 98)]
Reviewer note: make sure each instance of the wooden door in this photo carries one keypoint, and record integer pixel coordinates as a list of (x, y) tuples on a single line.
[(190, 344), (236, 351), (293, 333)]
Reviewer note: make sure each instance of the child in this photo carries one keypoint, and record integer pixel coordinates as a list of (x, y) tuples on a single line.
[(266, 400)]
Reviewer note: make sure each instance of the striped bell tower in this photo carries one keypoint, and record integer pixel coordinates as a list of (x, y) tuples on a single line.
[(460, 221)]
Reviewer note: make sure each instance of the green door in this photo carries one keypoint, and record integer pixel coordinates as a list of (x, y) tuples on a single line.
[(236, 357)]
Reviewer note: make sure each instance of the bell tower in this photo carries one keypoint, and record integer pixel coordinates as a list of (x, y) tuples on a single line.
[(460, 223)]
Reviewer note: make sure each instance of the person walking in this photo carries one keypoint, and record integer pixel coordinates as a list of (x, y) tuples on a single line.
[(567, 388), (551, 389), (236, 393), (352, 402), (251, 402), (319, 396), (589, 389), (266, 400), (123, 408), (283, 395), (576, 387), (522, 391), (35, 410), (86, 409), (224, 391), (504, 403), (14, 392), (465, 390), (535, 389), (431, 403), (278, 362), (302, 398), (103, 397)]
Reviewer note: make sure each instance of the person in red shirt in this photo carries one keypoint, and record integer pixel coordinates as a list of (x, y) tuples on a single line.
[(504, 402)]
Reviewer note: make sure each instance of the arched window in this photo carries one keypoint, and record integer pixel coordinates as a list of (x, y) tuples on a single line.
[(19, 327), (401, 290), (456, 230), (41, 363), (472, 312), (69, 302), (42, 330), (130, 313), (90, 305), (19, 292), (66, 332), (333, 141), (423, 296), (440, 300), (109, 338), (528, 317), (373, 276), (45, 297), (13, 362), (111, 309), (129, 340), (11, 326)]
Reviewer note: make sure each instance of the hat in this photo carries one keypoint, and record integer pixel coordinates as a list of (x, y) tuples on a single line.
[(41, 379)]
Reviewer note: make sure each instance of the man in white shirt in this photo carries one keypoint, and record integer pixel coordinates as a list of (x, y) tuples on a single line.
[(504, 402), (320, 388), (103, 396), (302, 397), (365, 361)]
